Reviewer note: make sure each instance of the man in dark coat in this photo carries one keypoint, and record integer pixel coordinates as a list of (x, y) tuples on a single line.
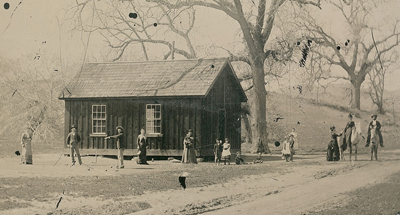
[(371, 125), (73, 140)]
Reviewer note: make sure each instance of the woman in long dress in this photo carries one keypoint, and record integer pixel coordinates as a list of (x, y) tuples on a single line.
[(333, 153), (347, 133), (226, 152), (142, 144), (26, 140), (189, 155)]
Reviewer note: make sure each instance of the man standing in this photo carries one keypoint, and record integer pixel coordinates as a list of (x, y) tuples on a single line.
[(120, 145), (73, 140), (377, 125)]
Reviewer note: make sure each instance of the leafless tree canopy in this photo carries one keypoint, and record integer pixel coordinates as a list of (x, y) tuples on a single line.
[(355, 54)]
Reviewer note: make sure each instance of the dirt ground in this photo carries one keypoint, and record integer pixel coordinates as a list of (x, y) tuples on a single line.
[(309, 185)]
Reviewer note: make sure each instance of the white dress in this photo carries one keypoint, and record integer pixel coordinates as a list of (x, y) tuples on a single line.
[(226, 151)]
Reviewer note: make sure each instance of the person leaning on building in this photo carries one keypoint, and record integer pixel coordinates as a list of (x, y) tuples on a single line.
[(120, 145), (73, 140)]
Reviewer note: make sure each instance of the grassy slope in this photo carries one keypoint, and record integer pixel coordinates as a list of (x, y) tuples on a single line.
[(312, 121)]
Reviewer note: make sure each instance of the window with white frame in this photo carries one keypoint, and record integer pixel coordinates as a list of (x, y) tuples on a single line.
[(153, 118), (99, 119)]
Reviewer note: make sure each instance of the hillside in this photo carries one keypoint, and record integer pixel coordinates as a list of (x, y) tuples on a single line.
[(312, 121)]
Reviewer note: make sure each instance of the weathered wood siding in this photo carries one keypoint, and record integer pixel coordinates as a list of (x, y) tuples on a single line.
[(215, 116), (178, 115), (222, 106)]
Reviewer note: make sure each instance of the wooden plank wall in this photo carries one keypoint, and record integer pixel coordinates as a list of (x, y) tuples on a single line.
[(223, 96), (178, 116)]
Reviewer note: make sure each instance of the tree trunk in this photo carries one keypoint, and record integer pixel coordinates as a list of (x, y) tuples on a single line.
[(356, 94), (260, 109), (247, 126)]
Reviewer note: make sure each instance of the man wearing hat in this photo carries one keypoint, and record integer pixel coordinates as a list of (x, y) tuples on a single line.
[(372, 124), (73, 140), (120, 145)]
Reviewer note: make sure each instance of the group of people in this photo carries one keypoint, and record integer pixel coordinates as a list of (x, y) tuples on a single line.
[(73, 140), (333, 153), (222, 151), (288, 146)]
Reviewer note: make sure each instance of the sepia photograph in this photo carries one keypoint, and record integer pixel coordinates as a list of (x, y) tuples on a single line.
[(214, 107)]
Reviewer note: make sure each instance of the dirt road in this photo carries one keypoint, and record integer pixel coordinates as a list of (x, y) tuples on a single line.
[(299, 189), (273, 187)]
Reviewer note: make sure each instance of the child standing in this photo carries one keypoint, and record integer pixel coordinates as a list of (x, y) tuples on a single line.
[(287, 150), (226, 153), (217, 151)]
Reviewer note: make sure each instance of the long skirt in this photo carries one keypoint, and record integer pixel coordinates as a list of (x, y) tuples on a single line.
[(142, 159), (26, 157), (333, 153), (226, 154), (189, 156)]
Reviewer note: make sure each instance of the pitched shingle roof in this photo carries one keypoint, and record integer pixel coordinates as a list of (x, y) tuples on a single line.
[(145, 79)]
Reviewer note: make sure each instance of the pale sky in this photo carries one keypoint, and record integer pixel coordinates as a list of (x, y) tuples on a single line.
[(33, 29)]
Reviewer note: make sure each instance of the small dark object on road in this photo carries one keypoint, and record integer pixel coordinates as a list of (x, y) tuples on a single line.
[(277, 119), (17, 153), (182, 181), (277, 143)]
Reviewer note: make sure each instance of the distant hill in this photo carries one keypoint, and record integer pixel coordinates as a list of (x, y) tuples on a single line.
[(312, 120)]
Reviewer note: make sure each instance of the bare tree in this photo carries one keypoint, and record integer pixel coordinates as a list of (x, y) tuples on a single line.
[(356, 54), (377, 81), (127, 26), (256, 22), (30, 90)]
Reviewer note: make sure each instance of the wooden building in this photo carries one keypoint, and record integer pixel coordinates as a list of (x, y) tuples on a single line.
[(165, 97)]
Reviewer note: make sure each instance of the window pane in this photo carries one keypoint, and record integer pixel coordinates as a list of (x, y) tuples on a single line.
[(98, 118), (158, 107)]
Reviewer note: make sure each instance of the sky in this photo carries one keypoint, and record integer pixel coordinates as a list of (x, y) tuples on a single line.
[(31, 28)]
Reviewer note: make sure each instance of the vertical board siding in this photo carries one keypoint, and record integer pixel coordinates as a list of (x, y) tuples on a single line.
[(177, 114)]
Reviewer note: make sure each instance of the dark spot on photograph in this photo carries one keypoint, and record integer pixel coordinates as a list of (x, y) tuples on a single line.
[(133, 15)]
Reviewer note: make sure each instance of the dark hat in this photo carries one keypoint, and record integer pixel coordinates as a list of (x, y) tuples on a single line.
[(73, 126), (332, 128), (120, 127), (190, 130), (350, 115), (373, 115)]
